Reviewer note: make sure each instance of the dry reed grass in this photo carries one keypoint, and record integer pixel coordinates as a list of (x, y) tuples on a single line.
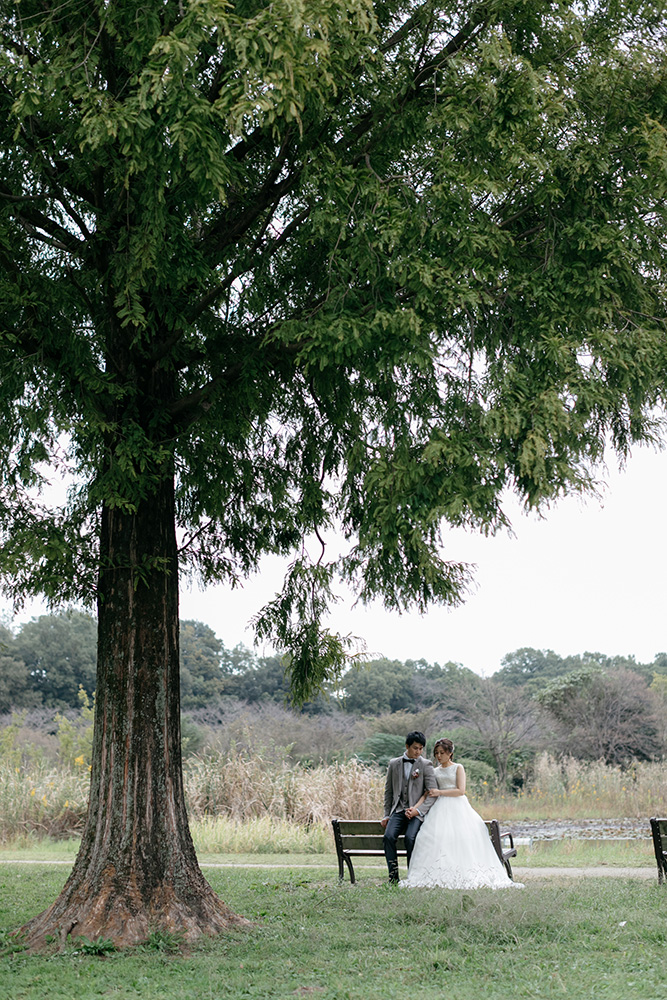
[(241, 788), (42, 800), (245, 788), (566, 788)]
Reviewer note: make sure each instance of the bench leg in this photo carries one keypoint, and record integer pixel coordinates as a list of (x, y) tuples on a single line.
[(341, 871)]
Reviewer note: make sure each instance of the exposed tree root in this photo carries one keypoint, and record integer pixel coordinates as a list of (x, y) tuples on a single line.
[(127, 918)]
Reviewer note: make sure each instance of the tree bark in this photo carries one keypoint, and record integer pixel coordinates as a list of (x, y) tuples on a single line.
[(136, 871)]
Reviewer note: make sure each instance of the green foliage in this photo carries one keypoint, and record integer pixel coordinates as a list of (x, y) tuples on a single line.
[(469, 744), (266, 679), (377, 687), (292, 622), (16, 688), (530, 668), (659, 686), (660, 663), (260, 679), (441, 687), (193, 737), (10, 753), (75, 736), (60, 648), (99, 946), (477, 772), (533, 669), (164, 942), (559, 695), (380, 748), (60, 653), (201, 664), (366, 265)]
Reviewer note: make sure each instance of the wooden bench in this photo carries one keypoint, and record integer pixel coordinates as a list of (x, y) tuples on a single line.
[(362, 838), (659, 833)]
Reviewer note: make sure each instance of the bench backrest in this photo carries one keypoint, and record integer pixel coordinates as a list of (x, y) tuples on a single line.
[(659, 828), (367, 834), (363, 835)]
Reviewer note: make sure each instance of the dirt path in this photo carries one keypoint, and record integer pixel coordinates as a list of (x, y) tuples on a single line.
[(520, 874)]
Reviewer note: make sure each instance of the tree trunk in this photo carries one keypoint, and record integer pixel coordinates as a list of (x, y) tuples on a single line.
[(136, 871)]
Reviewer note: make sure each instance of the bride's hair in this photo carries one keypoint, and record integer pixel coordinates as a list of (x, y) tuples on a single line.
[(446, 745)]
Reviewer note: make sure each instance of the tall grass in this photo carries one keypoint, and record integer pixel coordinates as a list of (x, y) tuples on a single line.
[(260, 835), (243, 787), (569, 789), (240, 787), (42, 800)]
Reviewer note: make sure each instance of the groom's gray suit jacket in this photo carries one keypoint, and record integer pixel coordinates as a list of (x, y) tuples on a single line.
[(424, 778)]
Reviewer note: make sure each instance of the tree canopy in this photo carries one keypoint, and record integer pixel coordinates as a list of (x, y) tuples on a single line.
[(390, 262), (534, 669), (271, 268), (201, 664), (60, 654), (607, 715), (380, 686)]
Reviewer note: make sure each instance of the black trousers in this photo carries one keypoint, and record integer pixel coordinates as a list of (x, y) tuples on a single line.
[(399, 824)]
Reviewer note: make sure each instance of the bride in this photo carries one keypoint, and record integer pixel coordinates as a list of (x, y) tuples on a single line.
[(453, 849)]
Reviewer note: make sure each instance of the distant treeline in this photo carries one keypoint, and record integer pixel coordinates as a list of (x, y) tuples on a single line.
[(590, 706)]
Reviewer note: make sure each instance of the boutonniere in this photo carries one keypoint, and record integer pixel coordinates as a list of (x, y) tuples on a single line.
[(415, 773)]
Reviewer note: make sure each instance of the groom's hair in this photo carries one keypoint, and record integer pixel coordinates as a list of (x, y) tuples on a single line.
[(415, 737)]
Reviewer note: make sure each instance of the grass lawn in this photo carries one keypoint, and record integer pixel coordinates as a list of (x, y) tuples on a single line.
[(603, 940)]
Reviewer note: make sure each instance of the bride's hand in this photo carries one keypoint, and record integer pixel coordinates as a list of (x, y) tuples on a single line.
[(434, 792)]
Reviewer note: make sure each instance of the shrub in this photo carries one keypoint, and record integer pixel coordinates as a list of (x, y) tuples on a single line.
[(380, 748), (477, 772)]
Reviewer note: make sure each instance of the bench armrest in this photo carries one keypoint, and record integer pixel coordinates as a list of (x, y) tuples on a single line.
[(510, 851)]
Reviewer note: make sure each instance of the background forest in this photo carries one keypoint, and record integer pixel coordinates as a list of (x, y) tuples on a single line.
[(588, 706)]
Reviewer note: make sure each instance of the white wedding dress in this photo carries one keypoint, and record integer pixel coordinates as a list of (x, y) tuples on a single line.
[(453, 849)]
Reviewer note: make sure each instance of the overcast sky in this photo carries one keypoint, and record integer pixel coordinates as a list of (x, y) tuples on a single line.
[(589, 576)]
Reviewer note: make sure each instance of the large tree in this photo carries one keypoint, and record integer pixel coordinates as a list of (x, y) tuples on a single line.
[(201, 664), (381, 686), (271, 267), (605, 715), (59, 652)]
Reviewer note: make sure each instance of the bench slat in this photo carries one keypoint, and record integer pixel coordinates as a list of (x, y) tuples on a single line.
[(366, 843), (356, 826), (353, 853)]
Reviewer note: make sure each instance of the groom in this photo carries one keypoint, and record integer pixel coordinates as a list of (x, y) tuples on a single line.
[(408, 777)]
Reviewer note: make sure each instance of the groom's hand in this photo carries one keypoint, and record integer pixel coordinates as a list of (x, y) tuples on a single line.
[(383, 823), (412, 812)]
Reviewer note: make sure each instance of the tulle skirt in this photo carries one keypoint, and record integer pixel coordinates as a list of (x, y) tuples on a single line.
[(453, 850)]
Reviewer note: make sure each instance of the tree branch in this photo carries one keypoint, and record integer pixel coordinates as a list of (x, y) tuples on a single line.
[(34, 221), (269, 191), (210, 297)]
